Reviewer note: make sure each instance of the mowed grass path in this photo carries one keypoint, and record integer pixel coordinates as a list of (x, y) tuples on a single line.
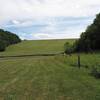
[(48, 78)]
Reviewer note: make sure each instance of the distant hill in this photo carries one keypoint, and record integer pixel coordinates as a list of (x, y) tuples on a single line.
[(31, 47), (7, 38)]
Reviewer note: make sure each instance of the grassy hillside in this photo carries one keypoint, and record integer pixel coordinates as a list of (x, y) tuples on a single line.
[(47, 78), (36, 47)]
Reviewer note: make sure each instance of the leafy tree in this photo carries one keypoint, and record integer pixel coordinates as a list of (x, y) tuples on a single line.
[(7, 38), (90, 39), (2, 45)]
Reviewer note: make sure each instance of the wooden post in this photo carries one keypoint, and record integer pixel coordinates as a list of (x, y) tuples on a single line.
[(79, 62)]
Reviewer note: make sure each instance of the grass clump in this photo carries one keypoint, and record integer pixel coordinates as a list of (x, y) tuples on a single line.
[(96, 71)]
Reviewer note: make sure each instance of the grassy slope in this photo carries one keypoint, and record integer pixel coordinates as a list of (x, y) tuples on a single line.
[(48, 78), (36, 47)]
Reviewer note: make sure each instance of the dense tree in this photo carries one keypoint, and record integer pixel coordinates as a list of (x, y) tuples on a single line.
[(2, 45), (90, 39), (7, 38)]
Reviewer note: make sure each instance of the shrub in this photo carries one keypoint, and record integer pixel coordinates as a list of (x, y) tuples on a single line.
[(95, 72), (2, 45), (68, 48)]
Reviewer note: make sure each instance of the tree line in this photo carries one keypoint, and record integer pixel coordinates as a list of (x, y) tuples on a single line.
[(7, 38), (89, 40)]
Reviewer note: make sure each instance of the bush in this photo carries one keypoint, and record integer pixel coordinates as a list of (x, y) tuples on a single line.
[(68, 48), (2, 45), (95, 72)]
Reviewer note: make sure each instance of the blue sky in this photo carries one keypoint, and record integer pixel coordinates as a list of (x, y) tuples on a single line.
[(47, 19)]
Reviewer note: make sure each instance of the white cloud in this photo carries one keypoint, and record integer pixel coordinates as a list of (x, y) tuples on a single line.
[(24, 9), (15, 22), (44, 36), (50, 28), (28, 13)]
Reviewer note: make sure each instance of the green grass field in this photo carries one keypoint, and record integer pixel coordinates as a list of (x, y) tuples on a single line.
[(47, 78), (36, 47)]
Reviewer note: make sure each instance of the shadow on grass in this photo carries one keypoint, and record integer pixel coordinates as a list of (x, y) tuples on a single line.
[(33, 55), (76, 65)]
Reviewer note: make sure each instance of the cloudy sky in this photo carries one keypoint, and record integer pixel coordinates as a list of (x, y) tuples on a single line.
[(47, 19)]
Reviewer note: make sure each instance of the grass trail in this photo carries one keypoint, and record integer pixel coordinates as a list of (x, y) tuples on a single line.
[(46, 78)]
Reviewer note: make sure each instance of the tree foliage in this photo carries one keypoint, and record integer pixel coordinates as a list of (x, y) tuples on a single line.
[(90, 39), (7, 38)]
